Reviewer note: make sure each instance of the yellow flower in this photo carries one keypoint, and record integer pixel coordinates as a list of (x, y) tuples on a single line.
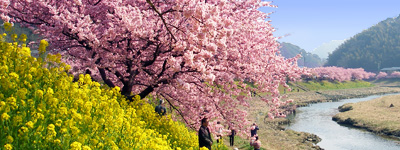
[(12, 101), (8, 147), (39, 93), (23, 130), (75, 130), (67, 67), (21, 93), (10, 139), (29, 124), (76, 146), (42, 46), (32, 70), (86, 148), (50, 134), (22, 38), (8, 27), (50, 91), (64, 130), (14, 75), (57, 141), (5, 116), (50, 127), (58, 123), (63, 111), (203, 148), (26, 51)]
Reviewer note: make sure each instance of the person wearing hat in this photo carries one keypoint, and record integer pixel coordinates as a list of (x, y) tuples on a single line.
[(161, 110)]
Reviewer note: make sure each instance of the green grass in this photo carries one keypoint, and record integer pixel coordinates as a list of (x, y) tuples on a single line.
[(387, 82), (240, 143), (375, 115), (327, 85)]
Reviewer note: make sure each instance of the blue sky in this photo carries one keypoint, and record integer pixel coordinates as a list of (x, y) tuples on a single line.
[(311, 23)]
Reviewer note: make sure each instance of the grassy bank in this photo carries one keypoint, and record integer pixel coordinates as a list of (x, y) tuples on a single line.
[(305, 98), (387, 82), (273, 137), (375, 115), (327, 85)]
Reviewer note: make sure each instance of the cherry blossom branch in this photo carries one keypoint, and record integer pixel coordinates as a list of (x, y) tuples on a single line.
[(162, 18)]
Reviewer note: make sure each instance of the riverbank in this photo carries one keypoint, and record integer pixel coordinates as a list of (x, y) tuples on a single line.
[(305, 98), (381, 115), (274, 137), (271, 135)]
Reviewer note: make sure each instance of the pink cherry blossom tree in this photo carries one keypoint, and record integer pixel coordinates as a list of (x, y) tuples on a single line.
[(342, 74), (381, 75), (394, 74), (195, 54)]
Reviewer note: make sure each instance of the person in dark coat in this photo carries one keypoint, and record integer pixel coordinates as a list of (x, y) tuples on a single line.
[(205, 139), (253, 129), (232, 136), (160, 109)]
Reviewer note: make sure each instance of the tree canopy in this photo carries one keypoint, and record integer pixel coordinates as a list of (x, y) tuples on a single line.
[(195, 54)]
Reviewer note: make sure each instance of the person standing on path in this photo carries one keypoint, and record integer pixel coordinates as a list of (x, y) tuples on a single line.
[(232, 136), (253, 129), (219, 129), (205, 135)]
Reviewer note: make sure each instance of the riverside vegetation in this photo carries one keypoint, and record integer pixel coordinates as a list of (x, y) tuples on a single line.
[(380, 115), (275, 137)]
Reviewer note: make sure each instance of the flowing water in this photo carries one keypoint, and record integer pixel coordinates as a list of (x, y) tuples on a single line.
[(317, 119)]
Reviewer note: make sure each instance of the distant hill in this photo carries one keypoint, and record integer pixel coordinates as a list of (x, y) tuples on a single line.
[(326, 48), (289, 50), (373, 49)]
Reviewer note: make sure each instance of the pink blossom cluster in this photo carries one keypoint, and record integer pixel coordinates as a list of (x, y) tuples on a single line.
[(383, 75), (342, 74), (195, 54), (394, 74)]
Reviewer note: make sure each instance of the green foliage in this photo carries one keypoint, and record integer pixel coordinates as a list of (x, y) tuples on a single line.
[(393, 81), (373, 49), (327, 85)]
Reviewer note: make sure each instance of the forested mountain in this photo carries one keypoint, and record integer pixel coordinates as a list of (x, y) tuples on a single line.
[(373, 49), (289, 50)]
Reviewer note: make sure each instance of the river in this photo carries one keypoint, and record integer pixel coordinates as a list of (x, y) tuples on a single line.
[(317, 119)]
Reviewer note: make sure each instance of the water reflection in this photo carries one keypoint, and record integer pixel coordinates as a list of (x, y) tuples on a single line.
[(317, 119)]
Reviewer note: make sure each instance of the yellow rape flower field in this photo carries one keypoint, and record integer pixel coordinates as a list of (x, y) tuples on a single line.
[(41, 108)]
